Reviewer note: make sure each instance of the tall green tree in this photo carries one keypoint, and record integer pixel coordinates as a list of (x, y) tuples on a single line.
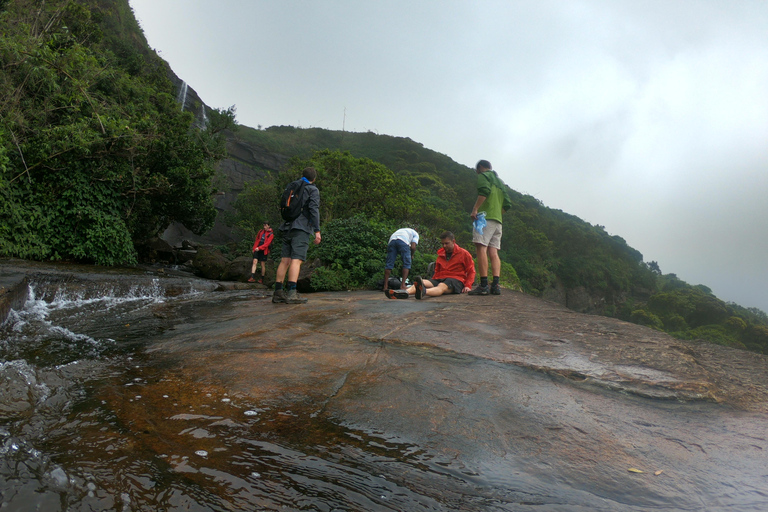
[(97, 158)]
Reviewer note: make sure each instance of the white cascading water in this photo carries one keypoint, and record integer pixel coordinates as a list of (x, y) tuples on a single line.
[(183, 94), (40, 318)]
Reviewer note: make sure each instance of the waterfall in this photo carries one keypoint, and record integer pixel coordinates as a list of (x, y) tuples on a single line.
[(183, 94), (204, 116)]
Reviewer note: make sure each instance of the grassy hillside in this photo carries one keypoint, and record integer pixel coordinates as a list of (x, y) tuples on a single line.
[(553, 254)]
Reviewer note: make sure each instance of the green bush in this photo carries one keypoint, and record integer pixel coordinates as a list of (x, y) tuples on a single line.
[(642, 317), (330, 279), (675, 323), (355, 248), (509, 277), (715, 334)]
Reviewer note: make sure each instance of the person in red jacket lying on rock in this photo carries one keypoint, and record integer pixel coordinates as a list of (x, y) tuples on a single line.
[(454, 273), (260, 251)]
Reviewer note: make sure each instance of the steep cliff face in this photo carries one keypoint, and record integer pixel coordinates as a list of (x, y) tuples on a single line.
[(245, 163)]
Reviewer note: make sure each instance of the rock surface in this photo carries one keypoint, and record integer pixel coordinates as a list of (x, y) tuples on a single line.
[(356, 402), (569, 410)]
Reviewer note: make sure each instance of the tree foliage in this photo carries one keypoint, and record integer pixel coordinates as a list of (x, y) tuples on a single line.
[(96, 152)]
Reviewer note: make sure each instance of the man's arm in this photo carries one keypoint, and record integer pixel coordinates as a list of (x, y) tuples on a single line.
[(483, 191), (478, 204), (470, 270), (507, 202), (314, 213)]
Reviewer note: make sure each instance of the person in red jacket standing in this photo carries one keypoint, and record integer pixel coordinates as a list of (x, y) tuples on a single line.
[(260, 251), (454, 273)]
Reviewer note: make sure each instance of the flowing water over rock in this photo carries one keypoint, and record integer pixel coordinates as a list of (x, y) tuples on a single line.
[(148, 393)]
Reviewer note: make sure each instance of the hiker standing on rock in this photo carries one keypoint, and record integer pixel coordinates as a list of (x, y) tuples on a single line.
[(260, 251), (300, 208), (454, 273), (491, 194), (403, 242)]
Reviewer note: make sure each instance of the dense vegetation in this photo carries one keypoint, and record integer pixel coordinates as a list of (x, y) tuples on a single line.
[(543, 249), (95, 153)]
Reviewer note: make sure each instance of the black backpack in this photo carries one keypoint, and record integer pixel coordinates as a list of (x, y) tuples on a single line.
[(290, 203)]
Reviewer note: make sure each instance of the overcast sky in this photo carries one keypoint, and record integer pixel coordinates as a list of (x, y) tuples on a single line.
[(647, 117)]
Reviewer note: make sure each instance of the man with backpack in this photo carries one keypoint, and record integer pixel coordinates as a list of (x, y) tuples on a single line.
[(300, 208), (261, 251)]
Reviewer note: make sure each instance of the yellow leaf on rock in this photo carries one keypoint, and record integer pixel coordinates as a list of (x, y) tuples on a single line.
[(657, 473), (635, 470)]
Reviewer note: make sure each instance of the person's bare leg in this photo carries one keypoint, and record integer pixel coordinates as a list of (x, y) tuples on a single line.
[(293, 270), (405, 276), (282, 269), (493, 254), (412, 289), (436, 291), (482, 260), (386, 279)]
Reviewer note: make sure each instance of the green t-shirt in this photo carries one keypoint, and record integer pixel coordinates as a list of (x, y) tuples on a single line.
[(490, 186)]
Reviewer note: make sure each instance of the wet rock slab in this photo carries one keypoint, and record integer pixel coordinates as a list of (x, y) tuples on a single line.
[(517, 401), (13, 291), (209, 397)]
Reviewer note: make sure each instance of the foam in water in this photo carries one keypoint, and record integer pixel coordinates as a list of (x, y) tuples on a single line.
[(72, 320)]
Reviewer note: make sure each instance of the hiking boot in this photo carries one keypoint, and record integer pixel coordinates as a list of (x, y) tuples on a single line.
[(480, 290), (251, 280), (260, 281), (495, 289), (396, 294), (278, 297), (292, 297), (421, 292)]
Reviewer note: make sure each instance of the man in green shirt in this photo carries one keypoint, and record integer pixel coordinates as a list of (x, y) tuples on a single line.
[(492, 196)]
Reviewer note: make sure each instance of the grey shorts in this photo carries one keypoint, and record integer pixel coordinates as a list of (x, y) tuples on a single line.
[(454, 285), (295, 245), (491, 236)]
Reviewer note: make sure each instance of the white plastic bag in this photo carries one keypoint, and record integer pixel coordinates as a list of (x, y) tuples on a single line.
[(480, 222)]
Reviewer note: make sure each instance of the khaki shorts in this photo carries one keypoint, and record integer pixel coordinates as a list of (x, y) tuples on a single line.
[(491, 236)]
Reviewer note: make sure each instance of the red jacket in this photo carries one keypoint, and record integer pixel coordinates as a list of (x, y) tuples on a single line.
[(460, 266), (268, 236)]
